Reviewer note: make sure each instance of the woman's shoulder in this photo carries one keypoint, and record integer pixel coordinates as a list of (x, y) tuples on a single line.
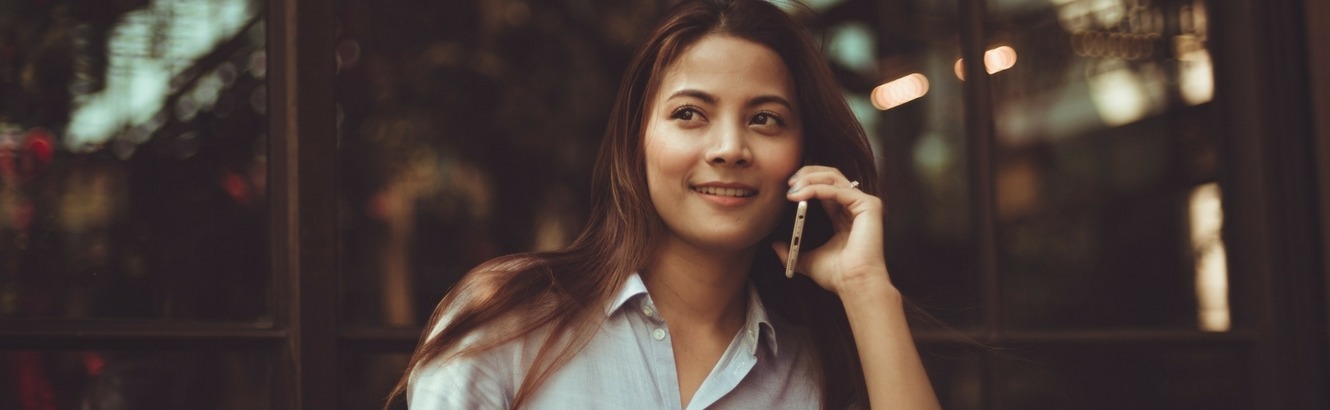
[(498, 303), (486, 334), (482, 370), (465, 379)]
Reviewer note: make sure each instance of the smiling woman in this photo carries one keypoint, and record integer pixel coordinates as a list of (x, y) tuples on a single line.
[(721, 142), (285, 190), (727, 117), (719, 155)]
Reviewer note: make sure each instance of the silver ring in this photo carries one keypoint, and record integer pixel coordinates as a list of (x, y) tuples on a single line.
[(854, 184)]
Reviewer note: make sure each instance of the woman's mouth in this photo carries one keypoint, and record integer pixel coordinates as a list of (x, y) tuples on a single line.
[(719, 191)]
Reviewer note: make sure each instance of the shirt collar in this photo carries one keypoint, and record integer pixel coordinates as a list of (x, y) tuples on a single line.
[(632, 286), (757, 324)]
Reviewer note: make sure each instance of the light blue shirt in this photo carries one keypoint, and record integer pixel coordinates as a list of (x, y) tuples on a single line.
[(629, 364)]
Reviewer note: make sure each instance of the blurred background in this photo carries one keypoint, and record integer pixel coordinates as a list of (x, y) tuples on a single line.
[(240, 204)]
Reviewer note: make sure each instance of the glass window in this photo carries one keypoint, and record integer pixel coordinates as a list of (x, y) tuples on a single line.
[(1100, 111), (1107, 376), (468, 131), (137, 379), (367, 377), (918, 128), (957, 372), (132, 161)]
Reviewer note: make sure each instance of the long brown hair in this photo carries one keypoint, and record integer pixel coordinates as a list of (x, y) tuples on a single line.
[(565, 291)]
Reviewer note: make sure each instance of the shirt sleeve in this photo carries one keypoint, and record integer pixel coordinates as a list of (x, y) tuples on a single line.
[(481, 381), (460, 383)]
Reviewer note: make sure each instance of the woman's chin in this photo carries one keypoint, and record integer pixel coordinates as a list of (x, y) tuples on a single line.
[(730, 241)]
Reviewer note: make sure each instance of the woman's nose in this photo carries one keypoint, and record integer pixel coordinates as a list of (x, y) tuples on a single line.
[(730, 149)]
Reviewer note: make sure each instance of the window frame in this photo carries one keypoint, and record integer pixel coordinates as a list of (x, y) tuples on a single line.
[(303, 193)]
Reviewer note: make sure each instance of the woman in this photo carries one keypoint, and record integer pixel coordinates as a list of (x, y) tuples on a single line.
[(674, 295)]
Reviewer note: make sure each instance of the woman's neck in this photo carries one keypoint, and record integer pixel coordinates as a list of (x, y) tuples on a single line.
[(699, 289)]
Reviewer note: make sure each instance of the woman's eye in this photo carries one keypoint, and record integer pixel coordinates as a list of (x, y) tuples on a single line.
[(766, 118), (685, 114)]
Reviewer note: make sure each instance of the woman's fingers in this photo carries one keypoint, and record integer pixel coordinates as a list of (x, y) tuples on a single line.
[(836, 198), (819, 175), (816, 179), (856, 217)]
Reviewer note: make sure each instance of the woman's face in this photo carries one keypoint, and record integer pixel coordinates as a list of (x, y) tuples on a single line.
[(723, 135)]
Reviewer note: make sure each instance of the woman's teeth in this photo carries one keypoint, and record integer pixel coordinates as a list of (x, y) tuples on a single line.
[(724, 191)]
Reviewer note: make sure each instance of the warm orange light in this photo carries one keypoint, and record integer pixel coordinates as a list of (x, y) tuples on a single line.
[(899, 91), (1211, 260), (995, 59), (999, 59)]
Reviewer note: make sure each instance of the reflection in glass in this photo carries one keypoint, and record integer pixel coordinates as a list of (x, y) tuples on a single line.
[(366, 379), (132, 160), (1101, 139), (1120, 94), (920, 138), (995, 59), (900, 91), (468, 130), (957, 374), (136, 380), (1099, 376), (148, 51), (1207, 224), (1197, 81)]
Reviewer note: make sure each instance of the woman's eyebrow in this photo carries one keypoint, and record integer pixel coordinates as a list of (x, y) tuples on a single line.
[(711, 99), (770, 99), (698, 94)]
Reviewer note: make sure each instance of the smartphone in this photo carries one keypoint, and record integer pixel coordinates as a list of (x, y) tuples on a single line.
[(796, 238)]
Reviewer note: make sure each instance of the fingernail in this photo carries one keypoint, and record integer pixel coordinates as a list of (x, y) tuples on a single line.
[(795, 189)]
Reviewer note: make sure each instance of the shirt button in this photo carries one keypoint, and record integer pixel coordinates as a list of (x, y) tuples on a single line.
[(647, 310), (659, 334)]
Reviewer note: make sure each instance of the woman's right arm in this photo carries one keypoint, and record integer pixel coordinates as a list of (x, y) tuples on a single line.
[(853, 266)]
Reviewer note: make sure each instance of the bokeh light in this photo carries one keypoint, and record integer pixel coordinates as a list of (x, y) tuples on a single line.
[(900, 91)]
